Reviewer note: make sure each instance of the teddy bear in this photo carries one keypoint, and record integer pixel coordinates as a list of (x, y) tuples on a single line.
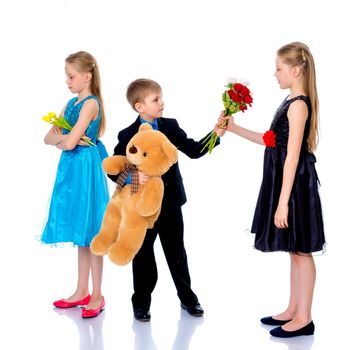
[(134, 207)]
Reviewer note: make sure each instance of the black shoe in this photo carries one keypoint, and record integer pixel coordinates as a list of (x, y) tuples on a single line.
[(281, 333), (142, 315), (273, 322), (193, 310)]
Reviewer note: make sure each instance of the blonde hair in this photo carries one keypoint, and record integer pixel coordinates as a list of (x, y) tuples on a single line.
[(139, 89), (298, 54), (86, 63)]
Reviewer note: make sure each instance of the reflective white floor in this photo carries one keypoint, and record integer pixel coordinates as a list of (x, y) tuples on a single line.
[(236, 286)]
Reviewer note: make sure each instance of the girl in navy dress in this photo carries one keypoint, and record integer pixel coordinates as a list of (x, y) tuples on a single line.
[(288, 214), (80, 193)]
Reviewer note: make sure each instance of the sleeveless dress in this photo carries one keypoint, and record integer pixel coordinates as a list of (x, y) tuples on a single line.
[(305, 233), (80, 193)]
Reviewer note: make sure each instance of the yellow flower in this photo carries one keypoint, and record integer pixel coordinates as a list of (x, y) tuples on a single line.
[(49, 116)]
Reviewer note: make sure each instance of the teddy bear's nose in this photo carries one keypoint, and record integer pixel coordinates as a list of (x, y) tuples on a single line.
[(133, 149)]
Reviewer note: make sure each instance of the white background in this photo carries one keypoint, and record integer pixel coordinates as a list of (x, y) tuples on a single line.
[(191, 48)]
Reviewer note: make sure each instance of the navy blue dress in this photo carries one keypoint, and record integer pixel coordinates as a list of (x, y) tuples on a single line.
[(305, 233)]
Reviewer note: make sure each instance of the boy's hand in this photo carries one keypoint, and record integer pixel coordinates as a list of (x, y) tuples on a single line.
[(220, 127), (219, 130)]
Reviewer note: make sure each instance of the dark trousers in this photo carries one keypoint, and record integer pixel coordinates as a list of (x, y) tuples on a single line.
[(170, 228)]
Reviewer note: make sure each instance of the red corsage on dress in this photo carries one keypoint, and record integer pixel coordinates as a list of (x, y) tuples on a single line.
[(269, 139)]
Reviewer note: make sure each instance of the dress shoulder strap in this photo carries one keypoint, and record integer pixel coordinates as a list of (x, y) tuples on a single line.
[(91, 97), (300, 97)]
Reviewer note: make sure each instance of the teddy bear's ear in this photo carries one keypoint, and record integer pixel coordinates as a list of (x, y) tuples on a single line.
[(145, 126), (170, 151)]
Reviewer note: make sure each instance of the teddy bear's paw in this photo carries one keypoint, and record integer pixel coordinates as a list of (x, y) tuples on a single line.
[(120, 255), (144, 212), (100, 245), (147, 210)]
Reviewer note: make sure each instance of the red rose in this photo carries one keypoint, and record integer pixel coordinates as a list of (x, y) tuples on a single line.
[(235, 97), (269, 139), (231, 93), (248, 99), (245, 91), (238, 87), (243, 108)]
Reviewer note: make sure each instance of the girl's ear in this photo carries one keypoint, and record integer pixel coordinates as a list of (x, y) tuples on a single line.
[(297, 71), (88, 76)]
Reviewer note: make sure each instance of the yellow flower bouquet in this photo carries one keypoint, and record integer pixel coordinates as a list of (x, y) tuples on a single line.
[(62, 123)]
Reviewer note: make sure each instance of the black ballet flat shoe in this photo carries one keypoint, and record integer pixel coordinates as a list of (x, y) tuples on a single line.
[(142, 315), (279, 332), (269, 320), (193, 310)]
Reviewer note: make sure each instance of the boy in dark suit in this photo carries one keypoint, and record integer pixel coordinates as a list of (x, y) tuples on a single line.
[(145, 97)]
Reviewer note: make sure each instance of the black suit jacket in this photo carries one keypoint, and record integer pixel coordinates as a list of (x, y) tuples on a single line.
[(174, 191)]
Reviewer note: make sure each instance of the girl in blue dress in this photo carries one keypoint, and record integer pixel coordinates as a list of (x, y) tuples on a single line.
[(80, 193), (288, 214)]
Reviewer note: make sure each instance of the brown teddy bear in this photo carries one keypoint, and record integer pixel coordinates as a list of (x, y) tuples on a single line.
[(134, 208)]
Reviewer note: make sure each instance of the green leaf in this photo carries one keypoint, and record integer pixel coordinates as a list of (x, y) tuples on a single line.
[(208, 137)]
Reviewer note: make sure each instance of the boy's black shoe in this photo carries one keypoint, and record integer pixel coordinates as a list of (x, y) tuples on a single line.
[(193, 310), (142, 315)]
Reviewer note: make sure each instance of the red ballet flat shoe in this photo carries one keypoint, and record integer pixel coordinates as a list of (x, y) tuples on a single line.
[(88, 313), (63, 304)]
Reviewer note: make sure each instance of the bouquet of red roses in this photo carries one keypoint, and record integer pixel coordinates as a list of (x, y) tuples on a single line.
[(236, 98)]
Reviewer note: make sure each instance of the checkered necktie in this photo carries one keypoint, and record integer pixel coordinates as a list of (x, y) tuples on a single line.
[(129, 168)]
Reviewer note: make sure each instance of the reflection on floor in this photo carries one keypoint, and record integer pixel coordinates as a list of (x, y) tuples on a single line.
[(235, 290)]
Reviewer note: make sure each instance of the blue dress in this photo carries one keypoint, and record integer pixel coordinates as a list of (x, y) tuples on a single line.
[(80, 193)]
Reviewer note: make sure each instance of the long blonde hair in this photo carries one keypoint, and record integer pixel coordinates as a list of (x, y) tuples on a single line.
[(86, 63), (298, 54)]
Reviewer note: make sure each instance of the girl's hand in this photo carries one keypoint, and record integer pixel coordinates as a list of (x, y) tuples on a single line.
[(56, 130), (281, 216), (82, 141), (143, 178), (226, 119)]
